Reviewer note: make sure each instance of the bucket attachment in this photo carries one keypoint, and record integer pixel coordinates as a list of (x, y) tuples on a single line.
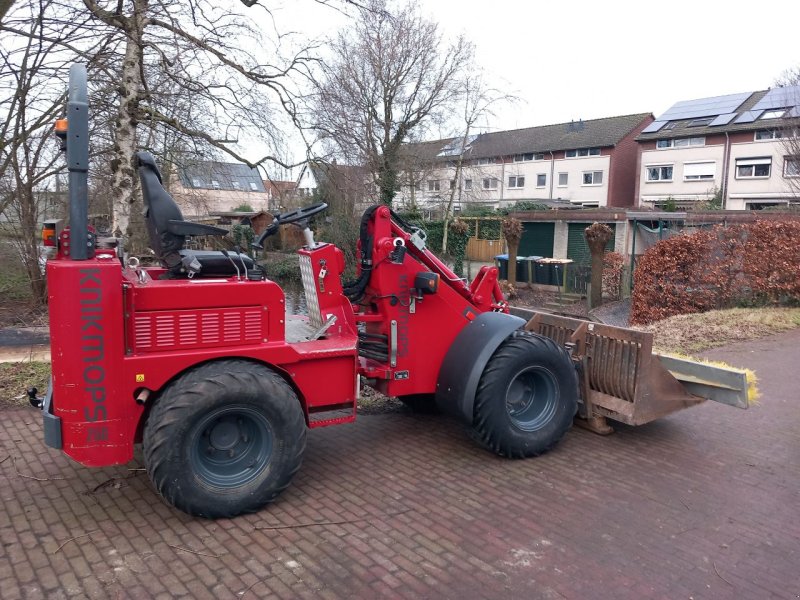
[(621, 378)]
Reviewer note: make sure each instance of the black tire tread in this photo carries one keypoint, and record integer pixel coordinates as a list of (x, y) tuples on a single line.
[(177, 403), (518, 342)]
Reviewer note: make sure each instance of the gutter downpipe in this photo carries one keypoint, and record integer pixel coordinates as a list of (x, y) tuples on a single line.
[(552, 172), (726, 170)]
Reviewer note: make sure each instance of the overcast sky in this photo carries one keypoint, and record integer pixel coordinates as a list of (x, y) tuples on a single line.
[(579, 59)]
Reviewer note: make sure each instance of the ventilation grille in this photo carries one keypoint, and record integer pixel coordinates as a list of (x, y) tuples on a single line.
[(310, 289), (169, 330)]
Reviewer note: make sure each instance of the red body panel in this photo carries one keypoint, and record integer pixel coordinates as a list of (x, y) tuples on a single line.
[(118, 332)]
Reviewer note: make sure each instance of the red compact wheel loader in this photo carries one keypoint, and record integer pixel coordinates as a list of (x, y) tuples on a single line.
[(197, 360)]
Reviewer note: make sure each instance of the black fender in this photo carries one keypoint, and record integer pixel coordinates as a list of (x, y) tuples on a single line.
[(467, 357)]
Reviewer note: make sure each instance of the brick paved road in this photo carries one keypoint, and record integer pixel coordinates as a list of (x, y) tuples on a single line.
[(704, 504)]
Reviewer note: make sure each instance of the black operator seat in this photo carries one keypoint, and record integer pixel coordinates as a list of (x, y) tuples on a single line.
[(168, 230)]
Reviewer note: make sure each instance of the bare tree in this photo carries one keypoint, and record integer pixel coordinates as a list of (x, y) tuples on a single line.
[(479, 101), (390, 75), (790, 131), (34, 55)]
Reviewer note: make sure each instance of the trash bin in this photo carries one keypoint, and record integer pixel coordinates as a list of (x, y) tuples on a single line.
[(525, 267), (501, 261), (543, 273)]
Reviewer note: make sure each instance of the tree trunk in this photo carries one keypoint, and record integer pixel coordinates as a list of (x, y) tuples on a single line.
[(128, 219), (513, 247), (597, 236)]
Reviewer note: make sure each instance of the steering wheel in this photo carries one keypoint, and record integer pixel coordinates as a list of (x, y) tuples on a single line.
[(299, 214), (294, 216)]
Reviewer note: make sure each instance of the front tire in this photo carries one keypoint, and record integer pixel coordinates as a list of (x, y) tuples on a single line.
[(526, 398), (224, 439)]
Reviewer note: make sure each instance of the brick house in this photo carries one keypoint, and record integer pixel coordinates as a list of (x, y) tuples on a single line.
[(731, 149), (582, 163)]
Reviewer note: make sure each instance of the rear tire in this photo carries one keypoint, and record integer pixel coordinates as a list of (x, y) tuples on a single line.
[(526, 398), (224, 439)]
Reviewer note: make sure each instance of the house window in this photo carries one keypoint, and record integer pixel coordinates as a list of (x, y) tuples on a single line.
[(699, 171), (253, 186), (523, 157), (681, 142), (516, 181), (593, 178), (452, 184), (700, 122), (541, 180), (659, 173), (486, 161), (433, 185), (773, 114), (791, 167), (769, 134), (752, 168), (670, 125), (197, 182), (215, 184), (418, 186), (238, 186), (582, 152), (563, 179), (489, 183), (468, 184)]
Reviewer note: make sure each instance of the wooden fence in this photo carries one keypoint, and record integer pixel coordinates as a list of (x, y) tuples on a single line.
[(484, 250)]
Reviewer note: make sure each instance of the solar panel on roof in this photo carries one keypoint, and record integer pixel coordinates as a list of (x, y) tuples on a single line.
[(704, 107), (779, 98), (654, 126), (722, 120), (748, 116), (795, 112)]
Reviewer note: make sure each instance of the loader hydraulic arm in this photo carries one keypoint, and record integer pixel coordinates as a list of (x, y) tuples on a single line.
[(387, 228)]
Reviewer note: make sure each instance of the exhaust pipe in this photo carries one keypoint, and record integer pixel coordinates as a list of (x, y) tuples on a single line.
[(81, 242)]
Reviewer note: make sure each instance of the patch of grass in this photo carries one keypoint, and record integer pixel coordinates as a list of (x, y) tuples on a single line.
[(16, 378), (689, 334)]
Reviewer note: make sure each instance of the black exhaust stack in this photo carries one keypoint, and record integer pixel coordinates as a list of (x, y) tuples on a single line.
[(81, 242)]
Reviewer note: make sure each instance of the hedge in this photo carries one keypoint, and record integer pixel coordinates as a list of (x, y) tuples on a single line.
[(722, 267)]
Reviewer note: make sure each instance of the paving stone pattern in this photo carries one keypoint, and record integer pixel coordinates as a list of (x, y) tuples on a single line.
[(703, 504)]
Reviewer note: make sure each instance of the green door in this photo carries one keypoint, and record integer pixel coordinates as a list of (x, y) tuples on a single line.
[(537, 239), (578, 249)]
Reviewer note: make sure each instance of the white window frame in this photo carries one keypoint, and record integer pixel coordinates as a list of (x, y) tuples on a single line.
[(487, 161), (516, 182), (238, 186), (582, 152), (214, 184), (594, 175), (768, 134), (526, 157), (566, 180), (795, 171), (661, 178), (753, 162), (700, 174), (490, 183), (468, 185), (197, 182), (539, 177), (434, 185), (680, 142)]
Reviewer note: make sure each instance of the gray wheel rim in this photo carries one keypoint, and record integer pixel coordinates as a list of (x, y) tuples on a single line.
[(532, 398), (231, 446)]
